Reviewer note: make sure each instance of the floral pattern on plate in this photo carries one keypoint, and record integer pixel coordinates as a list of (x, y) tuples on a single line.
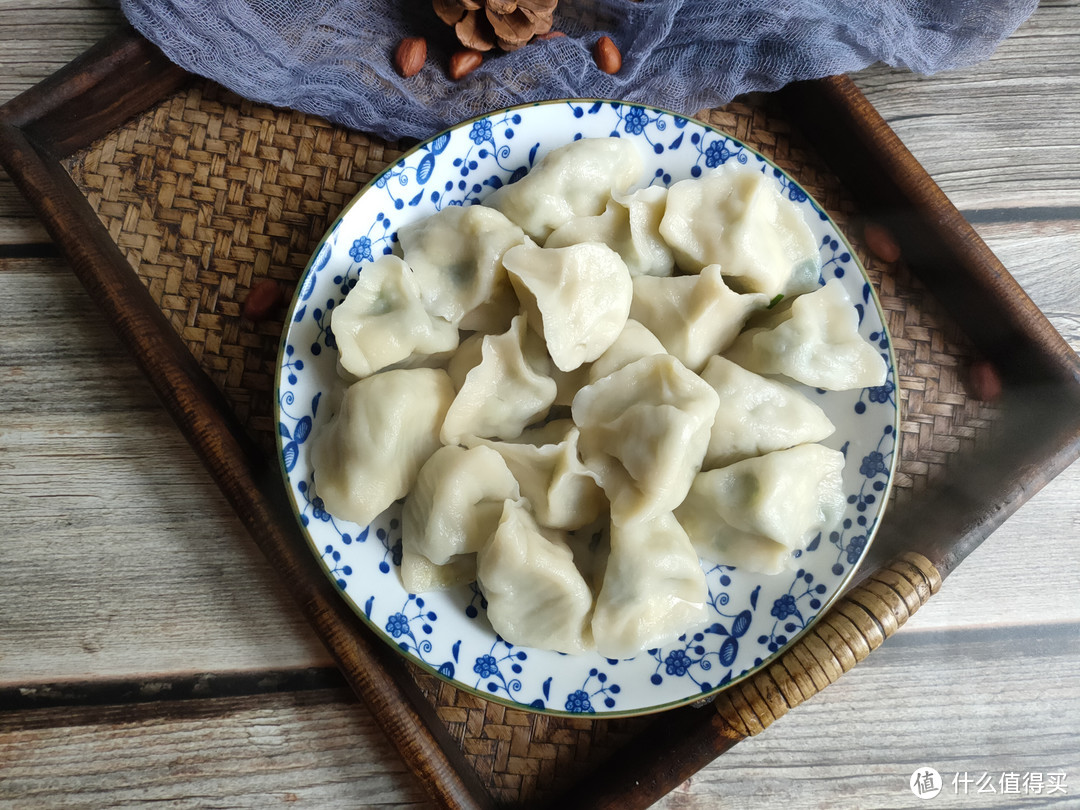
[(753, 616)]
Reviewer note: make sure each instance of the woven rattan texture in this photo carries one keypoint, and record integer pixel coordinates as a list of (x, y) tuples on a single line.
[(856, 626), (206, 194)]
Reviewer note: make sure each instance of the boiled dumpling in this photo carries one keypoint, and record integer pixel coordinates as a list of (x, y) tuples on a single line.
[(562, 491), (633, 343), (739, 514), (736, 217), (505, 392), (648, 253), (456, 255), (758, 415), (644, 430), (654, 589), (694, 317), (536, 596), (591, 548), (719, 544), (465, 359), (815, 341), (382, 320), (575, 180), (630, 225), (577, 297), (369, 453), (420, 575), (456, 503)]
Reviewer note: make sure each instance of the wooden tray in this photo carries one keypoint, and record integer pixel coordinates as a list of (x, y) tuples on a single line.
[(171, 198)]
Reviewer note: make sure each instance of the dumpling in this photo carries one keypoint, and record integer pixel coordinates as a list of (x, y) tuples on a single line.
[(420, 575), (738, 515), (382, 320), (721, 545), (633, 343), (591, 548), (507, 391), (644, 431), (456, 255), (465, 359), (654, 589), (369, 453), (736, 217), (575, 180), (648, 253), (536, 596), (694, 317), (456, 503), (577, 297), (630, 225), (563, 491), (758, 415), (815, 341)]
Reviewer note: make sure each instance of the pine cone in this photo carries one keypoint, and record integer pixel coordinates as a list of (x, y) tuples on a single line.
[(484, 24)]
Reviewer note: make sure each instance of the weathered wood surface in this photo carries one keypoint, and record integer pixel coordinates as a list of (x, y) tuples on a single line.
[(308, 749), (849, 747), (122, 564)]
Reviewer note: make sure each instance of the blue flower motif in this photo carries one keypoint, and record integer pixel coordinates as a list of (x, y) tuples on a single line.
[(873, 464), (635, 121), (784, 606), (361, 249), (397, 625), (486, 666), (480, 132), (881, 393), (578, 702), (715, 154), (855, 548), (678, 663)]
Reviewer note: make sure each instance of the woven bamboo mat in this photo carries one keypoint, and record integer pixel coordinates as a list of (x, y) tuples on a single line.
[(207, 194)]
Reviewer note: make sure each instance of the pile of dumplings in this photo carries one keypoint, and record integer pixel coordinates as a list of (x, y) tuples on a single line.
[(565, 384)]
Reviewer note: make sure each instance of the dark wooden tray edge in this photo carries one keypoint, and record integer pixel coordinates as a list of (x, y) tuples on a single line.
[(48, 123)]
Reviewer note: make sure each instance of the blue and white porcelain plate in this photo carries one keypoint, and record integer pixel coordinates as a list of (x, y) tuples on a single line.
[(754, 616)]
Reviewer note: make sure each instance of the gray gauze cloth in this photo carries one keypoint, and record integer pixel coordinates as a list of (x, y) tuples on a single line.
[(334, 58)]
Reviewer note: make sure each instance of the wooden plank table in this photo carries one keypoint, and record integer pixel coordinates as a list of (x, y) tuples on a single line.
[(149, 656)]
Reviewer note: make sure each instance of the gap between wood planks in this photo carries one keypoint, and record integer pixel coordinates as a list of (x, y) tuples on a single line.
[(158, 696), (29, 250), (163, 690)]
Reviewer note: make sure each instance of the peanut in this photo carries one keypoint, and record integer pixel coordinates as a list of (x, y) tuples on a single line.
[(262, 300), (984, 381), (607, 56), (464, 62), (880, 242), (410, 56)]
